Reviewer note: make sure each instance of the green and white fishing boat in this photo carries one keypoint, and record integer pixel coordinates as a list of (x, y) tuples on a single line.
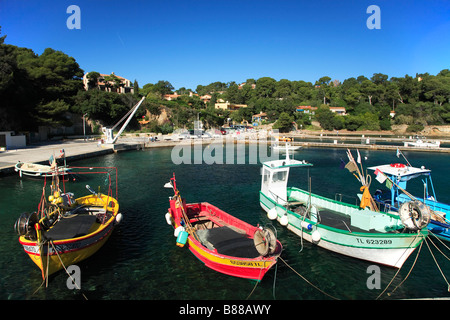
[(361, 232)]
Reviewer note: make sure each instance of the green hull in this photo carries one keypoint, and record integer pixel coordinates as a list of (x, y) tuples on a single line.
[(346, 229)]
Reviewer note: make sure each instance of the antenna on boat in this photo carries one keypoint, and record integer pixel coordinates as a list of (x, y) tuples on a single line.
[(401, 153)]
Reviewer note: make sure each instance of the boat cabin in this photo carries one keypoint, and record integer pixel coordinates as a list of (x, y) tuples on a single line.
[(275, 176), (400, 174)]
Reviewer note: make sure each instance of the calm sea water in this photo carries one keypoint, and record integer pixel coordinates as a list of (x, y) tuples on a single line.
[(141, 260)]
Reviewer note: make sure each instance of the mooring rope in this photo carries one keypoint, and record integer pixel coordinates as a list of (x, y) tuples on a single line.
[(274, 281), (45, 278), (441, 243), (73, 280), (412, 267), (439, 268), (256, 284), (388, 285), (317, 288)]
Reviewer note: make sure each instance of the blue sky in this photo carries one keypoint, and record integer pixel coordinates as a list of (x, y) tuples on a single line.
[(199, 42)]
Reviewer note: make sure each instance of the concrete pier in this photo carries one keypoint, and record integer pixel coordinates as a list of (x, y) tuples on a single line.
[(80, 149), (40, 153)]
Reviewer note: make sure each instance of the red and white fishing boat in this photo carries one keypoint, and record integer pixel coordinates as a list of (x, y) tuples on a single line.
[(222, 242)]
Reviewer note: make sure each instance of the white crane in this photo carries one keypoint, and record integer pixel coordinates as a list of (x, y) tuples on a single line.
[(109, 131)]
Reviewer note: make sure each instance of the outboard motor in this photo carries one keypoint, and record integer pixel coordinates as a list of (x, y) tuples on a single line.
[(24, 226)]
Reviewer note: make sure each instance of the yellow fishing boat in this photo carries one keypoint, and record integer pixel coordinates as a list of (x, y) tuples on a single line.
[(65, 230)]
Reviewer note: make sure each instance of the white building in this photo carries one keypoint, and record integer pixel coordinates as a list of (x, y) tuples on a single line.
[(9, 140)]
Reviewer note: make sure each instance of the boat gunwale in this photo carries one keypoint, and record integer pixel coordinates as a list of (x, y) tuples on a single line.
[(63, 242), (43, 169), (264, 259), (101, 227), (392, 215), (423, 232)]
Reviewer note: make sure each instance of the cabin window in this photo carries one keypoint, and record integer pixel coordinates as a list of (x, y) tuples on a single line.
[(266, 176), (279, 176)]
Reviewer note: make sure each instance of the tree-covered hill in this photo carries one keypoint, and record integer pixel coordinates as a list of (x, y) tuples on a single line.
[(40, 90)]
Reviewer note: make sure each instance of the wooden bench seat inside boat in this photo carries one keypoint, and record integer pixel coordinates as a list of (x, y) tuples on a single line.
[(71, 227), (228, 242)]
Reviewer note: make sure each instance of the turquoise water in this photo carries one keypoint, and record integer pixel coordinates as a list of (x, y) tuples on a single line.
[(141, 260)]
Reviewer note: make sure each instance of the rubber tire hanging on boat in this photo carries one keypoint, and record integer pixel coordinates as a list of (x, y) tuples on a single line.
[(415, 215), (265, 241)]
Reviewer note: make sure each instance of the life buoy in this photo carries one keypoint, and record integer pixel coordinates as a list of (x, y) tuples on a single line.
[(415, 215), (397, 165)]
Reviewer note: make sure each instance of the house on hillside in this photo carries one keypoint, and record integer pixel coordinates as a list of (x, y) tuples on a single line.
[(306, 109), (206, 98), (259, 117), (172, 96), (229, 106), (339, 110), (243, 84), (109, 82)]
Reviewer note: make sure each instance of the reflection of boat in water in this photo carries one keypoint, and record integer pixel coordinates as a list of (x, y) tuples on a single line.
[(66, 230), (361, 231), (396, 195), (283, 148), (421, 143), (221, 241)]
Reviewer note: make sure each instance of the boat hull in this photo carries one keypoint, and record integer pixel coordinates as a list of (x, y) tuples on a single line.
[(243, 267), (393, 257), (62, 254), (38, 170), (439, 230), (390, 249), (52, 256), (253, 269)]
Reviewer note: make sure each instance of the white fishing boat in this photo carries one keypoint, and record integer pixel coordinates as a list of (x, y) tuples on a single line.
[(421, 143), (38, 170), (41, 170), (283, 148), (361, 232)]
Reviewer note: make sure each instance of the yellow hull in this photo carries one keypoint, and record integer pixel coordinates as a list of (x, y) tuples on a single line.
[(54, 259), (53, 255)]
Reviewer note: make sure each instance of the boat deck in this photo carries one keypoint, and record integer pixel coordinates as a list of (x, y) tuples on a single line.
[(336, 220), (71, 227), (226, 239), (228, 242), (330, 218)]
